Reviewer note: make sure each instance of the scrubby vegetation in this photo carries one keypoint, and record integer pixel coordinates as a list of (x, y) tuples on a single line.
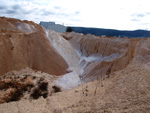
[(14, 88), (69, 29)]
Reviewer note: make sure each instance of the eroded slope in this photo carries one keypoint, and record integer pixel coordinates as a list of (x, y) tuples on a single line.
[(101, 55), (26, 45)]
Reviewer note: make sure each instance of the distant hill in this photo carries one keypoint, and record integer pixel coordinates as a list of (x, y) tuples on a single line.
[(112, 32)]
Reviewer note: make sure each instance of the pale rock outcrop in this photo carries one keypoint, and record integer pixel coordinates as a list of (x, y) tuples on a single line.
[(64, 48)]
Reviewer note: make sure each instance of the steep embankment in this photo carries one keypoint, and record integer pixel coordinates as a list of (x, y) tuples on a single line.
[(24, 44), (101, 55)]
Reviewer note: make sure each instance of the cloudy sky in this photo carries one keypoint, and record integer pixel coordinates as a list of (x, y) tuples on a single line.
[(113, 14)]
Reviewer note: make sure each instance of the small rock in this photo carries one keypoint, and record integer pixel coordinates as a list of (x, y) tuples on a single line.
[(57, 111), (69, 70)]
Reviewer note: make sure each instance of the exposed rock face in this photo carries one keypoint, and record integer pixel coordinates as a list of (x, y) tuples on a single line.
[(101, 55), (24, 44)]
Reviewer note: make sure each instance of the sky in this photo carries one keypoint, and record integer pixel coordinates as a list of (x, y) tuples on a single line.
[(110, 14)]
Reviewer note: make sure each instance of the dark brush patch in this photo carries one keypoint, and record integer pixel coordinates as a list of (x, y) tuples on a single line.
[(56, 89)]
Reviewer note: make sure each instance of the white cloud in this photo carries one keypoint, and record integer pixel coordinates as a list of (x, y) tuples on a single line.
[(114, 14)]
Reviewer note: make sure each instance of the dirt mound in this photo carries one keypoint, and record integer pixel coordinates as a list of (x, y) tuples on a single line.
[(26, 45)]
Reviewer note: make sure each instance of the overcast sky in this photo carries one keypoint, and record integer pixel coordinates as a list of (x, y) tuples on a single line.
[(113, 14)]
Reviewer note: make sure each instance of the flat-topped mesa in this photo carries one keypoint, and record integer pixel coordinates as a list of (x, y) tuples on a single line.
[(24, 44)]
